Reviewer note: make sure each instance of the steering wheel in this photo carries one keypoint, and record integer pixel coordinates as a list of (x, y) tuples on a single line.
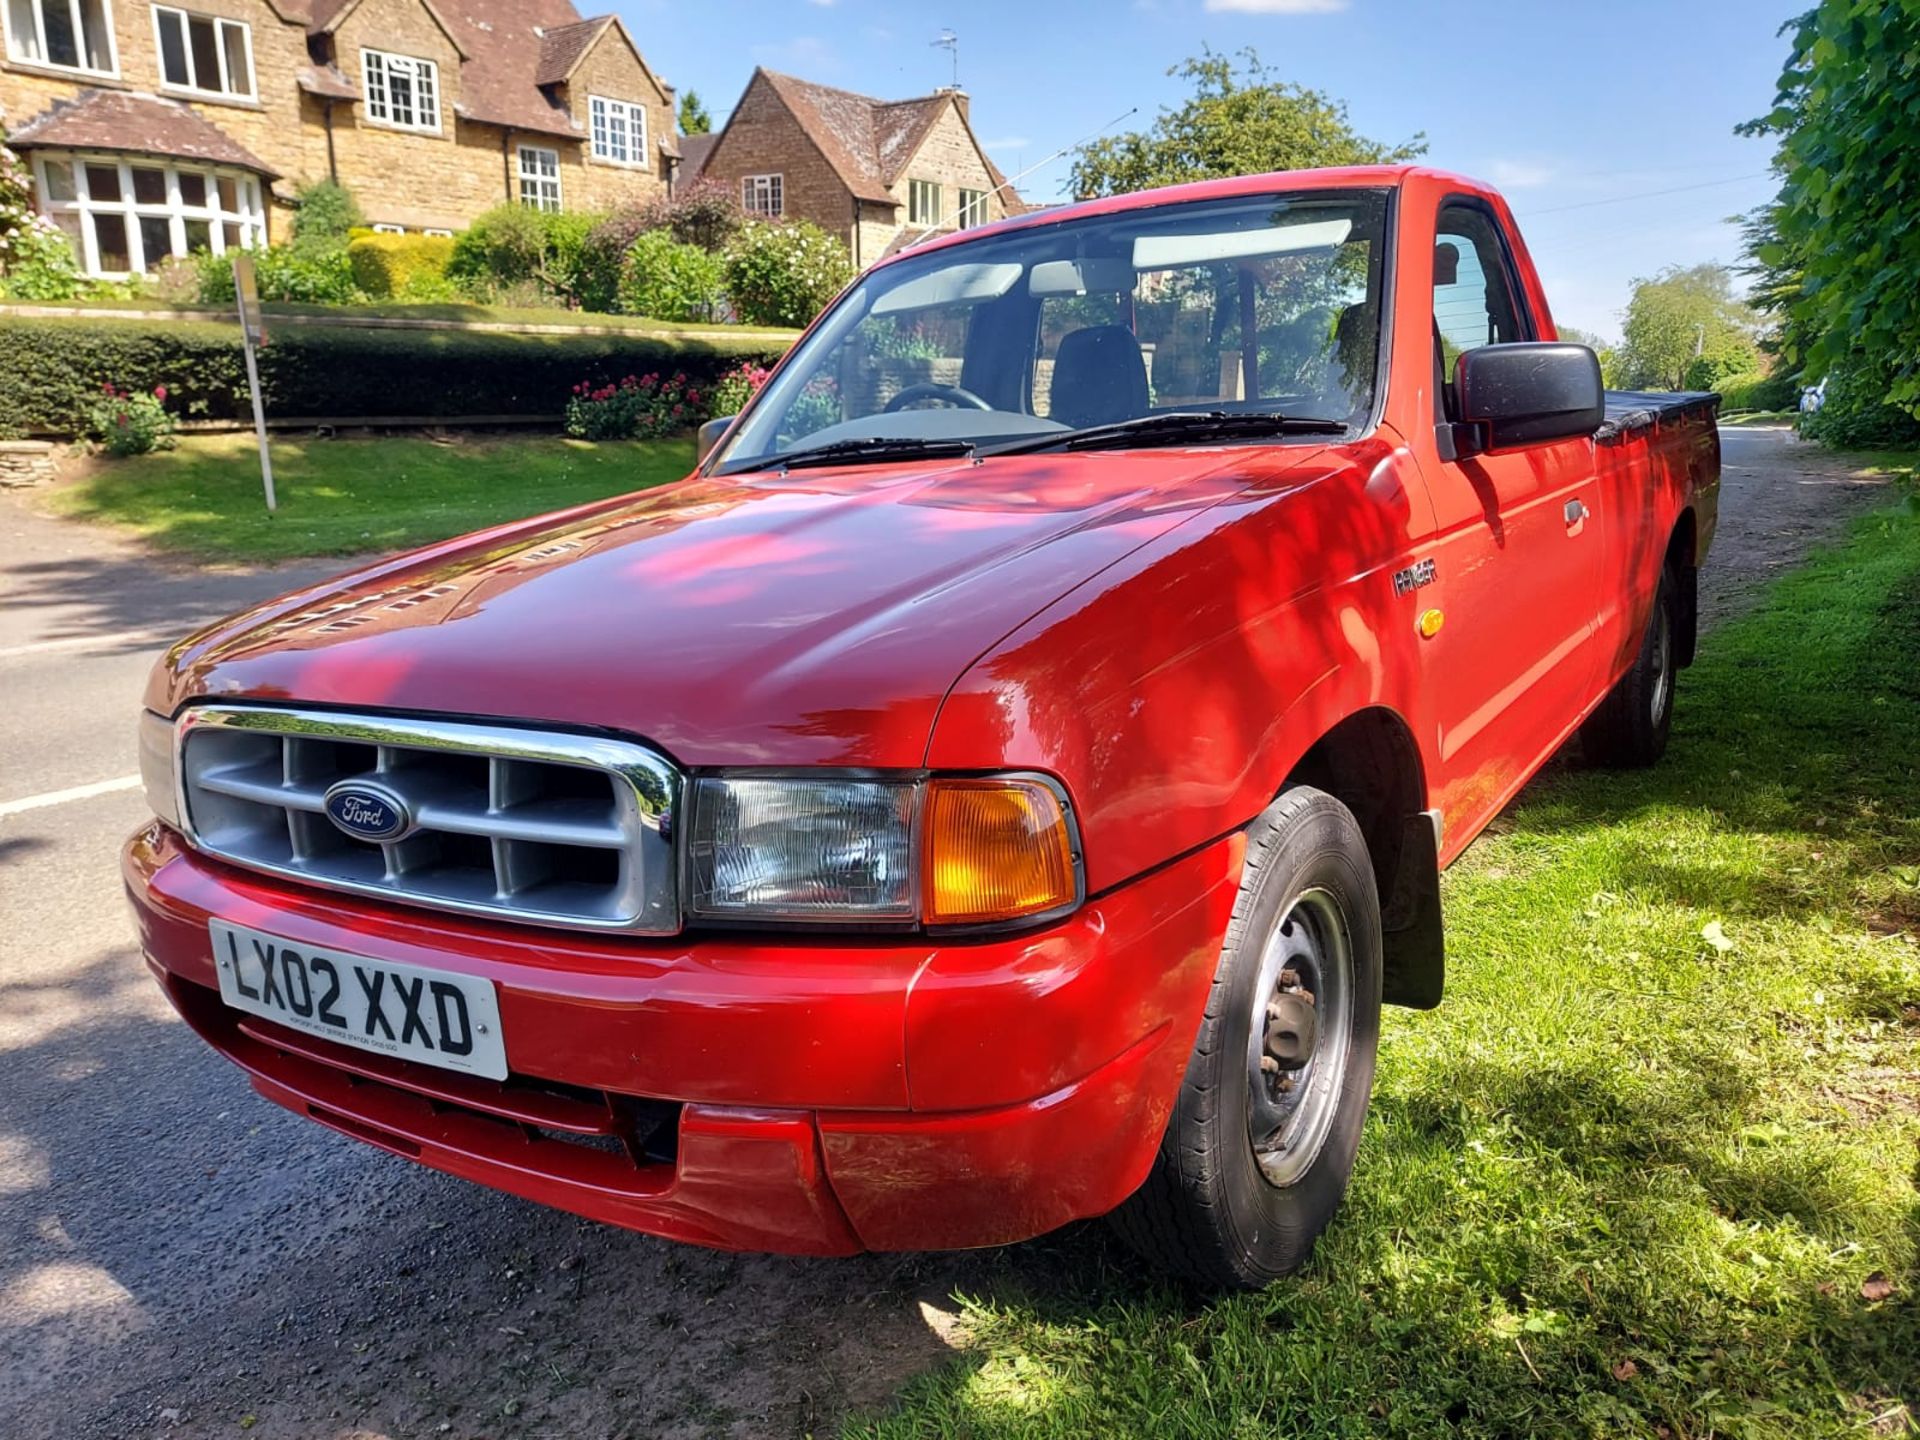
[(957, 396)]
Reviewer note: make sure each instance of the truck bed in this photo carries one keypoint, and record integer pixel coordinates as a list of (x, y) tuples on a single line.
[(1631, 410)]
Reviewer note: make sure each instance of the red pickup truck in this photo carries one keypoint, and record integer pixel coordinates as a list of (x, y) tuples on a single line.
[(1000, 786)]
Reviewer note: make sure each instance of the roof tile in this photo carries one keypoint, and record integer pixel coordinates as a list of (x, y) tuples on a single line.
[(137, 123)]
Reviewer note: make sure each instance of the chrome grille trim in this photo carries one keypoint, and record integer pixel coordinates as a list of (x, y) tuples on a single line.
[(533, 826)]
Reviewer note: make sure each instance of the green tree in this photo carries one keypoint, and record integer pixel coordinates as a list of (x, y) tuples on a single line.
[(327, 212), (1686, 329), (694, 119), (1242, 119), (1847, 220)]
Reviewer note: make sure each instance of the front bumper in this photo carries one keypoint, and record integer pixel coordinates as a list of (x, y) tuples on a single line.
[(797, 1094)]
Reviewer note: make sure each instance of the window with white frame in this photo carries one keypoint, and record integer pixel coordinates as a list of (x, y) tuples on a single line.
[(401, 91), (126, 215), (66, 34), (619, 130), (384, 228), (761, 194), (204, 52), (923, 202), (972, 211), (539, 177)]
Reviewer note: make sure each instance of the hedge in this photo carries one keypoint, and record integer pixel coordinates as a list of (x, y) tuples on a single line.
[(1779, 391), (51, 370), (388, 265)]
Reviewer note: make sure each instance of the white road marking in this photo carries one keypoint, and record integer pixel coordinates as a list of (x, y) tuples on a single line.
[(61, 797), (85, 642)]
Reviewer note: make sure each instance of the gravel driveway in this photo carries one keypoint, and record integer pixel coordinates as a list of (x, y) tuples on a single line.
[(178, 1257)]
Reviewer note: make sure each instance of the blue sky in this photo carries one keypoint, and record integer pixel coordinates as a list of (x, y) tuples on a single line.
[(1610, 126)]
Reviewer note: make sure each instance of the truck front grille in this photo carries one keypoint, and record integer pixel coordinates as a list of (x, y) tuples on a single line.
[(540, 827)]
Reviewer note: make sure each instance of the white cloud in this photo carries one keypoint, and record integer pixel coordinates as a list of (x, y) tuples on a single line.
[(1277, 7), (1520, 174), (824, 4), (1011, 142)]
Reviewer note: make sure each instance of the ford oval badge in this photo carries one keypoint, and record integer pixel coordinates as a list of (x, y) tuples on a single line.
[(369, 811)]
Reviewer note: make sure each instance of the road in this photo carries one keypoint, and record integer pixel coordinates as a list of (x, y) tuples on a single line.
[(178, 1257)]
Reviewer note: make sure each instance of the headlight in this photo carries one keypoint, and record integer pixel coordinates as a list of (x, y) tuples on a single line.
[(156, 767), (972, 851)]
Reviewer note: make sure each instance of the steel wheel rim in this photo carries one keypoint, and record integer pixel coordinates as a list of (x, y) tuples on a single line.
[(1662, 661), (1291, 1106)]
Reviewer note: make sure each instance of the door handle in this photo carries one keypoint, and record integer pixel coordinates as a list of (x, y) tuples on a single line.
[(1576, 511)]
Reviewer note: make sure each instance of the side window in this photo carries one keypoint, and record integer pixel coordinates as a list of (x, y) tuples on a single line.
[(1474, 298)]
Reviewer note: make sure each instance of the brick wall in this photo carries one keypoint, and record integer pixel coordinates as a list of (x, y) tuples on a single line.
[(764, 139)]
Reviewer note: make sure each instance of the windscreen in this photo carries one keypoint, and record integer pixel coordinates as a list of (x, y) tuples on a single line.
[(1267, 304)]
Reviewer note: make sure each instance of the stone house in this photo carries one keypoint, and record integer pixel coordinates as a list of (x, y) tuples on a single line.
[(154, 129), (877, 173)]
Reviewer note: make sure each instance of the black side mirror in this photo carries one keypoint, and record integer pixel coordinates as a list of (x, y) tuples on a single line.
[(1525, 393), (708, 436)]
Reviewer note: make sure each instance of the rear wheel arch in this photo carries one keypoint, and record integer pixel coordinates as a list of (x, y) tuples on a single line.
[(1371, 763)]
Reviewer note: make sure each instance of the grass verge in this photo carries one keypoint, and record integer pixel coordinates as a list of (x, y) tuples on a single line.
[(1650, 1170), (1760, 417), (344, 497)]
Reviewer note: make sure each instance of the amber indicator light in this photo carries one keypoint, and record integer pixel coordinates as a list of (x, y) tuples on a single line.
[(996, 849)]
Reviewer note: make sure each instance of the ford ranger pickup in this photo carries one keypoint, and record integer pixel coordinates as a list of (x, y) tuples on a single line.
[(1000, 786)]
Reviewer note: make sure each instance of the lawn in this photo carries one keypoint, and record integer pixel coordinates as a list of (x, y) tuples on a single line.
[(353, 496), (1760, 417), (1650, 1170)]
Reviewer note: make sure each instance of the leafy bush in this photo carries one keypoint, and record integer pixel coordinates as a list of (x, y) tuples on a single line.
[(640, 407), (1779, 391), (1856, 414), (389, 266), (501, 246), (733, 390), (706, 215), (784, 274), (322, 277), (326, 218), (39, 263), (564, 260), (52, 370), (666, 280), (1710, 371), (131, 422)]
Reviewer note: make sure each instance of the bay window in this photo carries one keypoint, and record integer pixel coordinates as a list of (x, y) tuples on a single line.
[(65, 34), (204, 52), (125, 216)]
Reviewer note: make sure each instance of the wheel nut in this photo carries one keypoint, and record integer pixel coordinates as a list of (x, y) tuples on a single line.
[(1293, 1028)]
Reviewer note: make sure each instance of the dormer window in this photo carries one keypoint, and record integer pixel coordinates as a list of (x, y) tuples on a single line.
[(401, 91), (619, 129), (63, 34)]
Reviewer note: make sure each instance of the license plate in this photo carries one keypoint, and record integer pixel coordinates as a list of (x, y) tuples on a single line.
[(407, 1011)]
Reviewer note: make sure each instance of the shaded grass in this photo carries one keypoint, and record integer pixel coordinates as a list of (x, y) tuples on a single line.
[(344, 497), (1760, 417), (1624, 1181)]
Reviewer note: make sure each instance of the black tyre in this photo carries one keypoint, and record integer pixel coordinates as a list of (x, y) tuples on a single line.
[(1629, 730), (1257, 1153)]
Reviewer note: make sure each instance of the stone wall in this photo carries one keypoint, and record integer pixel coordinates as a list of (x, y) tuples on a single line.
[(950, 158), (612, 70), (26, 462), (409, 178)]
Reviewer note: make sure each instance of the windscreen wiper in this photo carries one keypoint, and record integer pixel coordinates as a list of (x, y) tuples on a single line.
[(878, 448), (1178, 427)]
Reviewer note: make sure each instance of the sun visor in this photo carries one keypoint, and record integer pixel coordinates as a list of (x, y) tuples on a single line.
[(1168, 252), (953, 285)]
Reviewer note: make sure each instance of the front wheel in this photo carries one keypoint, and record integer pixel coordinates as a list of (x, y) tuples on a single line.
[(1261, 1142)]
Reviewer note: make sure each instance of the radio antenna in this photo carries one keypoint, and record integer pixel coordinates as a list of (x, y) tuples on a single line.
[(950, 43)]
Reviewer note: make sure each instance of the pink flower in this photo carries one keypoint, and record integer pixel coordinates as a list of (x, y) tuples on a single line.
[(160, 392)]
